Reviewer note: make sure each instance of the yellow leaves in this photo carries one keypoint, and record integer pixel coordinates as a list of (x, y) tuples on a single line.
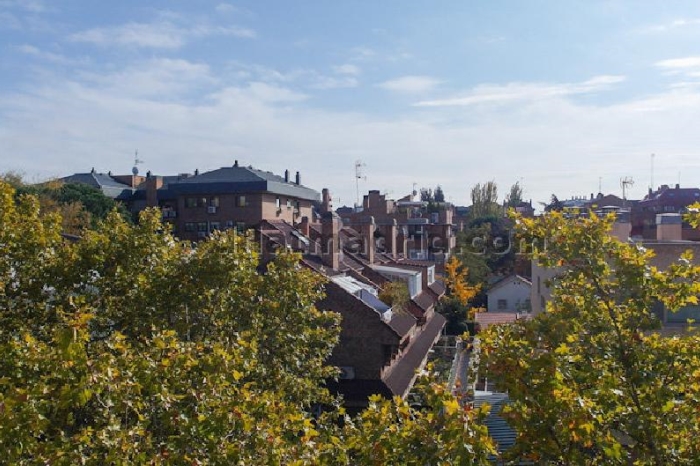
[(456, 280), (451, 406)]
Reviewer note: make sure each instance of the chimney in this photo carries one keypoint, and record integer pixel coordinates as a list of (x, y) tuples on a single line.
[(326, 201), (196, 171), (678, 186), (392, 237), (368, 228), (304, 227), (153, 184), (286, 176), (235, 164), (330, 240), (298, 178), (669, 227)]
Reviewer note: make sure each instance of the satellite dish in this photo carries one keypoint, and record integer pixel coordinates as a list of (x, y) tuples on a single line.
[(135, 171)]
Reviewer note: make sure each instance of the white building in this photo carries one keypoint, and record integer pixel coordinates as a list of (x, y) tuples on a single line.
[(512, 294)]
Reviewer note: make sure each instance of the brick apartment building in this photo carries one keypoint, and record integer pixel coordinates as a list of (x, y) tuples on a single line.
[(425, 231), (663, 200), (380, 349)]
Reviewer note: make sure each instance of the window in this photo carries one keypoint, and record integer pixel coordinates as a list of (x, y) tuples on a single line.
[(191, 202), (189, 226), (240, 226), (241, 201), (289, 203), (502, 304), (278, 204), (202, 226), (229, 224), (214, 201), (214, 226)]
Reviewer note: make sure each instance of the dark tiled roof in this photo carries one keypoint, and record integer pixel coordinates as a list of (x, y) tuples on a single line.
[(437, 287), (403, 374), (402, 323), (241, 180), (424, 300), (108, 185)]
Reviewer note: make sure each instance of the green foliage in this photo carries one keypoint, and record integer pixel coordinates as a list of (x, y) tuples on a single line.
[(444, 432), (515, 195), (485, 200), (591, 380), (396, 295), (129, 347)]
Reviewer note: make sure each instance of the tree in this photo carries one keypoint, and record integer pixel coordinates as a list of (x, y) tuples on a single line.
[(396, 295), (591, 380), (129, 347), (426, 195), (438, 194), (460, 293), (485, 200), (555, 205), (515, 195)]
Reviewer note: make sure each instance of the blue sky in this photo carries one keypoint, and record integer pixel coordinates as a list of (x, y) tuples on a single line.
[(559, 96)]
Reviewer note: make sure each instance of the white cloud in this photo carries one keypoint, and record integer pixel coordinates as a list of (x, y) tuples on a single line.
[(410, 84), (553, 145), (225, 8), (513, 92), (679, 63), (45, 55), (162, 34), (347, 68)]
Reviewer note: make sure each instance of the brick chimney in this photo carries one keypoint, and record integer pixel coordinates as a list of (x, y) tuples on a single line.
[(326, 201), (392, 238), (368, 228), (153, 184), (330, 239), (669, 227), (298, 178), (304, 226)]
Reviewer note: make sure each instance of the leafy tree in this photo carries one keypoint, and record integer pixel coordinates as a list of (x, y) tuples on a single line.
[(438, 194), (555, 205), (460, 293), (485, 200), (426, 195), (515, 195), (591, 380), (396, 295), (129, 347)]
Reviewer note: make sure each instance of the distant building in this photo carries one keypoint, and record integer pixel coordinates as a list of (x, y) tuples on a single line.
[(424, 231), (663, 200), (115, 187), (380, 349), (511, 295)]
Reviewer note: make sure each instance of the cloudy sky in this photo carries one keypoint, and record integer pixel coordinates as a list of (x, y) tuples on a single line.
[(561, 96)]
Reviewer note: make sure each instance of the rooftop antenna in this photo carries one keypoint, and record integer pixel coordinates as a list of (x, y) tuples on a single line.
[(651, 187), (600, 184), (358, 176), (625, 182), (135, 170)]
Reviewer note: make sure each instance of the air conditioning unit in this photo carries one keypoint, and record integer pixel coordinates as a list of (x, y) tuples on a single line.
[(347, 372), (211, 209)]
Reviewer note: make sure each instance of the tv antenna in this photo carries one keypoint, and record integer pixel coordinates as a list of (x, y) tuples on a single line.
[(359, 175), (135, 170), (651, 186), (624, 183)]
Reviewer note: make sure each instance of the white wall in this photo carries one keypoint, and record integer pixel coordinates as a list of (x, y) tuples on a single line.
[(514, 291)]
